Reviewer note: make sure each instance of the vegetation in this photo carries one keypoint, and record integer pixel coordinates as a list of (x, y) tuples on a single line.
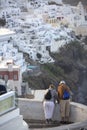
[(2, 22)]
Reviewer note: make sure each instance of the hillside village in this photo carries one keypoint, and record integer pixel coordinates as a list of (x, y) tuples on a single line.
[(42, 42), (39, 25), (37, 29)]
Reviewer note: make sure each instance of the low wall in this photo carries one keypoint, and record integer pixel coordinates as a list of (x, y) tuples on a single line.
[(33, 110)]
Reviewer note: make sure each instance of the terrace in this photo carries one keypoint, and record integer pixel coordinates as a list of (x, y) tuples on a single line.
[(33, 114), (10, 117)]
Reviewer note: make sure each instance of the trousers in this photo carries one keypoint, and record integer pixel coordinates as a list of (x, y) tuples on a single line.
[(65, 108), (48, 109)]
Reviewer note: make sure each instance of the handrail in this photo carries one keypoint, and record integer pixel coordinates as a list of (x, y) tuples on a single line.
[(7, 102)]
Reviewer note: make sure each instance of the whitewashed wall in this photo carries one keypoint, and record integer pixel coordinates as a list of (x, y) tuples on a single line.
[(33, 109)]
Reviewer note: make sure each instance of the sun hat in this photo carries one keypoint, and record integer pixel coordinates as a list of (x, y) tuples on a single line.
[(62, 82)]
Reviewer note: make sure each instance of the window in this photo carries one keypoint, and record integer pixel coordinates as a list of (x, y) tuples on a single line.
[(86, 18), (1, 76), (39, 48), (15, 77), (6, 77)]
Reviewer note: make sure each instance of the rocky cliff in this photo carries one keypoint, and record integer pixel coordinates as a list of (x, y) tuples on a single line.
[(70, 65), (75, 2)]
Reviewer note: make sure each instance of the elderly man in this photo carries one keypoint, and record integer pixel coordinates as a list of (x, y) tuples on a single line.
[(64, 100)]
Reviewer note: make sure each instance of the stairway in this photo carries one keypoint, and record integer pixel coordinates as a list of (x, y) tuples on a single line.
[(41, 124)]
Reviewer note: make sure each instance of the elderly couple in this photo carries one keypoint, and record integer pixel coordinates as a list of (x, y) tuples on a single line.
[(57, 96)]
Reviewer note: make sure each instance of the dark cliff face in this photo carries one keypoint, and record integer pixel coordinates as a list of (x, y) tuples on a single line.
[(81, 96), (70, 65), (75, 2)]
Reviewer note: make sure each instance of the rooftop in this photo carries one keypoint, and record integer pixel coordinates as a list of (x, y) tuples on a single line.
[(4, 31)]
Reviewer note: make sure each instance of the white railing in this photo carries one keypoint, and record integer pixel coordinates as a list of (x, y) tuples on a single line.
[(7, 102)]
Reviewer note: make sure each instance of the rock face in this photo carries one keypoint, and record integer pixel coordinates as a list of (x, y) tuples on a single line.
[(82, 94), (74, 2), (70, 65)]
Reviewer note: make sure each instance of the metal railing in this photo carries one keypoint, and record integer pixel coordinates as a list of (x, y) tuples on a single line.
[(7, 102)]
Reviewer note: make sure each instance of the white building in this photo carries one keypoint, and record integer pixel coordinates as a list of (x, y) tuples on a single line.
[(12, 63)]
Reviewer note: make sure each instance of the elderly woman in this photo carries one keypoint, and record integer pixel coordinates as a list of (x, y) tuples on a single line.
[(49, 103)]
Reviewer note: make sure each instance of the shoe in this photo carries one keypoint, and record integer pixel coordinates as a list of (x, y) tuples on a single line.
[(47, 121), (68, 122), (50, 121), (63, 122)]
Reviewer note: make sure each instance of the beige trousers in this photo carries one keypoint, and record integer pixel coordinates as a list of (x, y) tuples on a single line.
[(65, 108)]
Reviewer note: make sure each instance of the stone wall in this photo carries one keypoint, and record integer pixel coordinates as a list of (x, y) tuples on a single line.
[(33, 110)]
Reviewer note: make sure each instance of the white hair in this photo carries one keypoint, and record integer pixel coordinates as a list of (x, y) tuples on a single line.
[(62, 82)]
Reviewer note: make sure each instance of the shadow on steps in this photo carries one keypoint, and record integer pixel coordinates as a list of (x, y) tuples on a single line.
[(42, 123)]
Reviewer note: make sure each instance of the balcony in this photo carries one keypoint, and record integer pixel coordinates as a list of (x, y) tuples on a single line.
[(10, 118), (7, 102), (32, 111)]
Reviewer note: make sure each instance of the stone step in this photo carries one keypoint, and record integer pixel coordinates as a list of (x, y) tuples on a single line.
[(41, 124)]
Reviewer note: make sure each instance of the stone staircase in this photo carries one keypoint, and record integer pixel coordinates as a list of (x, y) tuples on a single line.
[(33, 124)]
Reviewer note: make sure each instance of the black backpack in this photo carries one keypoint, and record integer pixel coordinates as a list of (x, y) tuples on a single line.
[(2, 89), (48, 95)]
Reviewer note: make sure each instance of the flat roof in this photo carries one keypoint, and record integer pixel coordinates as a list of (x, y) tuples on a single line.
[(4, 64), (5, 31)]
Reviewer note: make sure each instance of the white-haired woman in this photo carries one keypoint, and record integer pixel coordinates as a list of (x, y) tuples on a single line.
[(49, 104)]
